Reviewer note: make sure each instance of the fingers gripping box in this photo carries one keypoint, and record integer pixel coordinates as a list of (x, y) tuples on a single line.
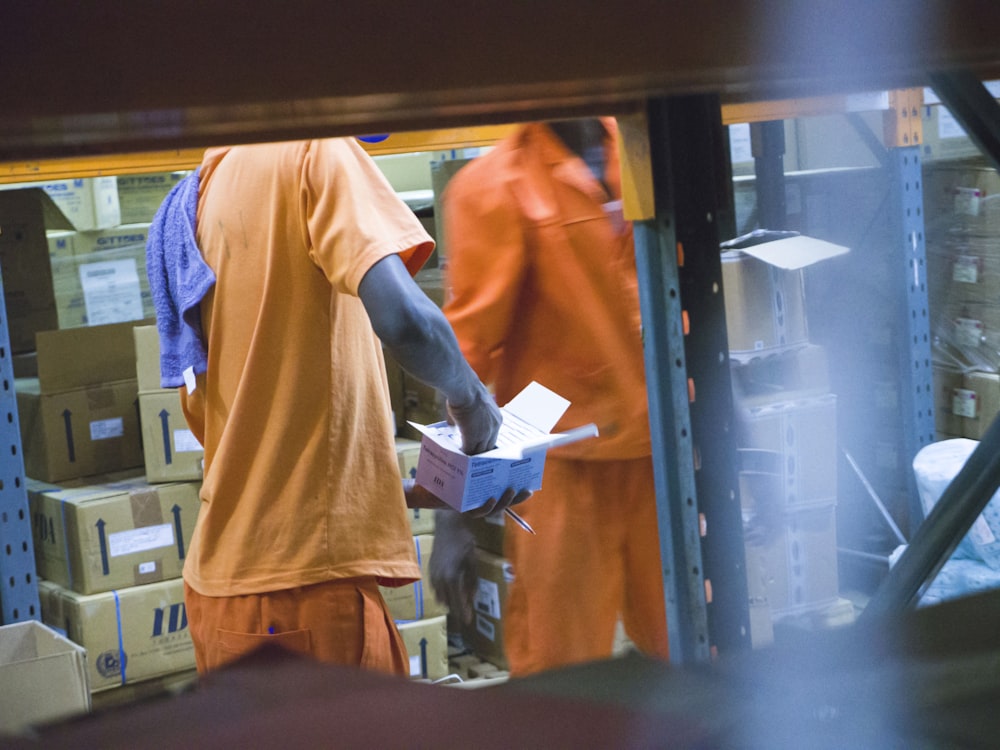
[(466, 482)]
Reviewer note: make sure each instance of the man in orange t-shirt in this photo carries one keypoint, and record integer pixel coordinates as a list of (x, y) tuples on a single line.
[(303, 511), (542, 278)]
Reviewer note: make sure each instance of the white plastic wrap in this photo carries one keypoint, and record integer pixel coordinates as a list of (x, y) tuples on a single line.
[(935, 466)]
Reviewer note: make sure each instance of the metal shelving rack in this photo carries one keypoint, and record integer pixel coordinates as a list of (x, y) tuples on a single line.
[(260, 92)]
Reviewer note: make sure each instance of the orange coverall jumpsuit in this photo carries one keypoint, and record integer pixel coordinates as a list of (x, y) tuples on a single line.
[(543, 287)]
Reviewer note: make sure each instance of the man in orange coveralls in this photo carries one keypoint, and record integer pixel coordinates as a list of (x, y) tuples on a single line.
[(306, 262), (543, 287)]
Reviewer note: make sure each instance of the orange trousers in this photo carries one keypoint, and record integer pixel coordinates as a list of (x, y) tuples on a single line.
[(343, 621), (595, 558)]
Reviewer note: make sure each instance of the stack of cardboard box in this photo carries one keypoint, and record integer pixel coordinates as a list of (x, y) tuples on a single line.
[(170, 451), (419, 615), (787, 444), (962, 201), (109, 541), (69, 258)]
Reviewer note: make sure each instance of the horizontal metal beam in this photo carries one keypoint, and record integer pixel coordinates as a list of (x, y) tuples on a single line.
[(103, 77)]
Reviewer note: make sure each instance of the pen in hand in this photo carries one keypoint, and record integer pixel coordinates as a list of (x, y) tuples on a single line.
[(519, 521)]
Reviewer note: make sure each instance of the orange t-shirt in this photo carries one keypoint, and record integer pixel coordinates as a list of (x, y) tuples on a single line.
[(300, 484), (543, 286)]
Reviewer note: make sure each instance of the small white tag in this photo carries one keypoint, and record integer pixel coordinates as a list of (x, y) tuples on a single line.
[(963, 403), (189, 380), (968, 332), (967, 201), (147, 567), (966, 269)]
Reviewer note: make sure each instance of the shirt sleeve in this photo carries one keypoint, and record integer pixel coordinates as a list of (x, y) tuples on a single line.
[(353, 216), (486, 263)]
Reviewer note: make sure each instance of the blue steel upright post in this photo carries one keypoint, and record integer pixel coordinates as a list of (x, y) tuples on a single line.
[(906, 217), (18, 580), (682, 190)]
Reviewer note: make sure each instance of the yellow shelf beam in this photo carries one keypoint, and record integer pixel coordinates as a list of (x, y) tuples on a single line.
[(170, 161), (405, 142)]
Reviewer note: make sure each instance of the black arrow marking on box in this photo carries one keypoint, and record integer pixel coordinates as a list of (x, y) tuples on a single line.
[(68, 421), (423, 658), (104, 546), (179, 529), (165, 422)]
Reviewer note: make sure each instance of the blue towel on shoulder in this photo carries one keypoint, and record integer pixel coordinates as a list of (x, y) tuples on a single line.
[(178, 279)]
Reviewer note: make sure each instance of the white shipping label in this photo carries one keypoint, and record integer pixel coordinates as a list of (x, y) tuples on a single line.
[(147, 567), (487, 599), (963, 403), (968, 332), (966, 269), (186, 442), (140, 540), (948, 126), (111, 291), (415, 666), (105, 429), (968, 201), (981, 532), (740, 150)]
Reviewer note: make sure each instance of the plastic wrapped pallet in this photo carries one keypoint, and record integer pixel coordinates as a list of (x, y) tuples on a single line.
[(935, 466)]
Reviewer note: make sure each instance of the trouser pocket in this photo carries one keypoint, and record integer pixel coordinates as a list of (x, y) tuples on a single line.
[(230, 645)]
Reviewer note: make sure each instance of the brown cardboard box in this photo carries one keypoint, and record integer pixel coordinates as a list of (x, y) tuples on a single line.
[(427, 647), (416, 601), (489, 532), (117, 532), (130, 634), (103, 286), (986, 389), (485, 634), (24, 257), (147, 358), (765, 306), (79, 417), (140, 195), (793, 565), (171, 453), (412, 401), (804, 369), (43, 677), (80, 432), (407, 453), (87, 202), (788, 451), (948, 396)]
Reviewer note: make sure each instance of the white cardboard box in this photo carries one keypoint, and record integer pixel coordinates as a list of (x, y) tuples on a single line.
[(43, 677), (466, 482)]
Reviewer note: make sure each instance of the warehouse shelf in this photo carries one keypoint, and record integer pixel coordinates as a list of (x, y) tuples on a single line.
[(443, 139), (61, 117)]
